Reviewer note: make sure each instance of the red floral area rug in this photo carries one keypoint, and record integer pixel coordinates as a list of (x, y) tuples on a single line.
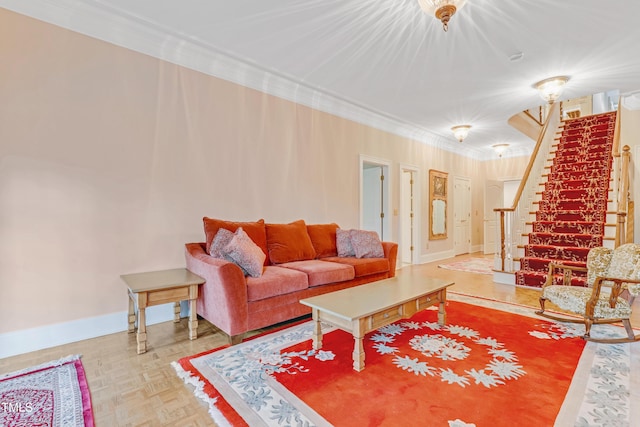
[(53, 394), (492, 364), (471, 265)]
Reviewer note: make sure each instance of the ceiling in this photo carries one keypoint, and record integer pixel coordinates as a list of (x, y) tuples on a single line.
[(383, 62)]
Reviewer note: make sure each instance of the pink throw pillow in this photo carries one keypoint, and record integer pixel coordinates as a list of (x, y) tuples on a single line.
[(220, 241), (366, 244), (343, 243), (242, 251)]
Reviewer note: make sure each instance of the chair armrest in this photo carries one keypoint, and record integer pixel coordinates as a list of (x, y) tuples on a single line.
[(222, 299), (567, 271)]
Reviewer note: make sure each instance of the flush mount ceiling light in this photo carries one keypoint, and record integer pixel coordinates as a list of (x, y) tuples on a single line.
[(442, 9), (461, 131), (551, 88), (499, 148)]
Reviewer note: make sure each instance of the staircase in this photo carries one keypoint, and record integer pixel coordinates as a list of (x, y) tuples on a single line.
[(571, 215)]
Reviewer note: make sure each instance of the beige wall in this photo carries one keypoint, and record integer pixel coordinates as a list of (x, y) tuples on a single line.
[(109, 159)]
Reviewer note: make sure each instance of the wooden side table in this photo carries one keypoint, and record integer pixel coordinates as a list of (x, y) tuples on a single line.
[(161, 287)]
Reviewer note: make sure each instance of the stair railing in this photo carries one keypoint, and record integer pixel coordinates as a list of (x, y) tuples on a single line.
[(512, 220), (623, 202), (624, 231)]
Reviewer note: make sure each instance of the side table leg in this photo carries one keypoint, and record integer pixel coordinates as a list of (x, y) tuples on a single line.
[(142, 331), (176, 312), (193, 320), (317, 330), (132, 316)]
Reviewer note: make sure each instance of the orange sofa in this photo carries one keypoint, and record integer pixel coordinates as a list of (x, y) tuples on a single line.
[(301, 261)]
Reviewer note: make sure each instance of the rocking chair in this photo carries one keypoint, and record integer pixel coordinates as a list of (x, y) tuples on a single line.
[(613, 279)]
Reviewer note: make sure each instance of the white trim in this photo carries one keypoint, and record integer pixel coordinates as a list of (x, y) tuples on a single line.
[(436, 256), (103, 22), (505, 278), (28, 340), (417, 215)]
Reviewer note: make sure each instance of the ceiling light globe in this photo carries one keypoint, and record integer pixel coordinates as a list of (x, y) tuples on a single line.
[(461, 131), (550, 89)]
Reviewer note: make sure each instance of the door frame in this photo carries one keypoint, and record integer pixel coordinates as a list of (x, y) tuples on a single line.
[(417, 217), (489, 217), (385, 164)]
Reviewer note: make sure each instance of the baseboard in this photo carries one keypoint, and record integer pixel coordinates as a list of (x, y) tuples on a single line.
[(28, 340), (504, 278), (436, 256)]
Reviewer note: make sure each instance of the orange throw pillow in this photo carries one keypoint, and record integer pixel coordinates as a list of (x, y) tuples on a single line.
[(323, 238), (289, 242), (255, 230)]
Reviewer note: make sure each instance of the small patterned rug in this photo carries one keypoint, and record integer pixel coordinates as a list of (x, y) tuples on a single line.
[(52, 394), (471, 265)]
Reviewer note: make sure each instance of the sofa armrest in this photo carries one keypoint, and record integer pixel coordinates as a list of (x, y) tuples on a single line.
[(222, 299), (391, 253)]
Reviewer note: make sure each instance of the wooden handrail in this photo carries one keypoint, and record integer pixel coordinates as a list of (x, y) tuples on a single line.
[(538, 120), (615, 149), (533, 157), (553, 110)]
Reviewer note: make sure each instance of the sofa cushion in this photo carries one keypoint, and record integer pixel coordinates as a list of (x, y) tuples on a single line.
[(363, 266), (255, 230), (275, 281), (343, 243), (322, 272), (245, 254), (323, 239), (289, 242), (366, 244)]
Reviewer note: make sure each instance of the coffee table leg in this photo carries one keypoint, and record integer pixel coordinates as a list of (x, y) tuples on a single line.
[(358, 354), (317, 331), (442, 313), (358, 345)]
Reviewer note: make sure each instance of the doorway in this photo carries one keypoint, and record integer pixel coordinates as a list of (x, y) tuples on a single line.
[(374, 196), (461, 215), (409, 215), (493, 198)]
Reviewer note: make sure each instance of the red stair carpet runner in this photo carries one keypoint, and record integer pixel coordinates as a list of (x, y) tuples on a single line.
[(572, 213)]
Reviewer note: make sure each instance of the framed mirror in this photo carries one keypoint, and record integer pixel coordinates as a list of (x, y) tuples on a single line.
[(437, 205)]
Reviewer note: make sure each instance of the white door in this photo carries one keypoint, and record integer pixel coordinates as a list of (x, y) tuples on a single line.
[(372, 205), (374, 197), (461, 216), (493, 198)]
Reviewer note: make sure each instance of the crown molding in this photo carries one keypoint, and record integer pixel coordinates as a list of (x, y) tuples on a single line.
[(100, 21)]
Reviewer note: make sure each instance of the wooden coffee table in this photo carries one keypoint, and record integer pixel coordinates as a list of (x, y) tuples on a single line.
[(365, 308)]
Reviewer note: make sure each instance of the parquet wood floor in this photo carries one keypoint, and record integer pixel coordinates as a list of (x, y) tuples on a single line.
[(128, 389)]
